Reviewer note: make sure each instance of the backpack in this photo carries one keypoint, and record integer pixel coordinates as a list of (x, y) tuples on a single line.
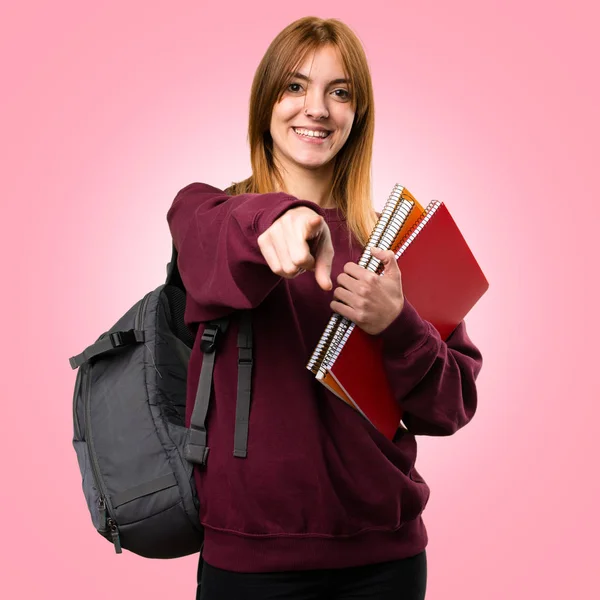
[(135, 454)]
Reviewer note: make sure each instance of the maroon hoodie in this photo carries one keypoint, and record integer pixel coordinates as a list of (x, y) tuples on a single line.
[(320, 487)]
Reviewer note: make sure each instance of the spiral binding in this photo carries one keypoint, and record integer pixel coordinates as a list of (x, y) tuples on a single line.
[(388, 210), (391, 233), (406, 241)]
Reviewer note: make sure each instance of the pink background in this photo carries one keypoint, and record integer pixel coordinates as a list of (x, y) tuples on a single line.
[(109, 108)]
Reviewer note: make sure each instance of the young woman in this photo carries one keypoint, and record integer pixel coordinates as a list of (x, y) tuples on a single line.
[(323, 505)]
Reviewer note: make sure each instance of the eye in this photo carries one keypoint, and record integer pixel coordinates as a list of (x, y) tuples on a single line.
[(294, 87), (344, 95)]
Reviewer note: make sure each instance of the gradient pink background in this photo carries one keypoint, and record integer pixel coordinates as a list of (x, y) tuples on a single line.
[(108, 109)]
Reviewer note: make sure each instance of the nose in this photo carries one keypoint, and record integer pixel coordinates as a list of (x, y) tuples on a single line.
[(314, 105)]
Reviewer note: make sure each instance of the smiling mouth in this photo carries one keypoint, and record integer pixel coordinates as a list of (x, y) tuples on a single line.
[(308, 133)]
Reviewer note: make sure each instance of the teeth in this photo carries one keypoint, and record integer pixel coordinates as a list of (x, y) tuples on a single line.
[(309, 133)]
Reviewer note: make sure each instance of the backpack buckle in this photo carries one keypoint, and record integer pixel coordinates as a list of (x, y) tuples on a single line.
[(245, 356), (122, 338), (209, 338), (195, 449)]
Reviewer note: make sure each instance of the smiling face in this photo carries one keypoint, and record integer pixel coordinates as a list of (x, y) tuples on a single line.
[(313, 119)]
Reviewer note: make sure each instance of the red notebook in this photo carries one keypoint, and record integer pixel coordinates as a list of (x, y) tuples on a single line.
[(442, 280)]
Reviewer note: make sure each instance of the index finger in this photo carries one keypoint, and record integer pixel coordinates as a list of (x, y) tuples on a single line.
[(323, 261), (357, 271)]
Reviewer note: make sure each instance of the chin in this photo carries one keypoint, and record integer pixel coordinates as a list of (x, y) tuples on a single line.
[(311, 165), (313, 162)]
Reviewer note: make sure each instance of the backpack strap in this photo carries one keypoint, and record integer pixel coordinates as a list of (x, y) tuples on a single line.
[(244, 392), (196, 450), (109, 342)]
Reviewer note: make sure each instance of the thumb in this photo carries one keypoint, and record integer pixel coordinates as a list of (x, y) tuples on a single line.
[(387, 258)]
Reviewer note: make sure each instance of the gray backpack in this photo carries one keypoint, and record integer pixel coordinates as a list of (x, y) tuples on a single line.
[(134, 451)]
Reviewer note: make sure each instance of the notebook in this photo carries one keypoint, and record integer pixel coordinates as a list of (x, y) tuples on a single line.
[(440, 278)]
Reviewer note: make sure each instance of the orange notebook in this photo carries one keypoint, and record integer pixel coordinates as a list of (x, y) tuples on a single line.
[(440, 278)]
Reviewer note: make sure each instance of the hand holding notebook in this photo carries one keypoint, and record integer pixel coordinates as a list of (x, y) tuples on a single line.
[(370, 301)]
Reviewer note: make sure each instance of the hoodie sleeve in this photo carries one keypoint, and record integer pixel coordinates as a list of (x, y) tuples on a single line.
[(433, 380), (216, 238)]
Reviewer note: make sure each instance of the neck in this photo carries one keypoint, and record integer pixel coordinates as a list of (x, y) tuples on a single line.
[(306, 184)]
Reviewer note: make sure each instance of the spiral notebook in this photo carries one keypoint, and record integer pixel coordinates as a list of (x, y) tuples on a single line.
[(440, 278)]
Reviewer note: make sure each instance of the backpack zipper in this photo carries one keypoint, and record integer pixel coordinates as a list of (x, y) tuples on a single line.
[(141, 310), (76, 426), (104, 507), (102, 511), (114, 534)]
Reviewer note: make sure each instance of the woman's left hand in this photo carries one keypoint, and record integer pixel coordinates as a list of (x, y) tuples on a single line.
[(372, 301)]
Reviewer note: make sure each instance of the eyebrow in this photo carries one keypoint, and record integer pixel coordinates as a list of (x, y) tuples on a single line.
[(298, 75)]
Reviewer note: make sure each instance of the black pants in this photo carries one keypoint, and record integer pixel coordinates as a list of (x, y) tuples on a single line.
[(404, 579)]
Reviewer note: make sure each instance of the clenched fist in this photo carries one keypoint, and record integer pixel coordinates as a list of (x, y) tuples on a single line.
[(299, 241)]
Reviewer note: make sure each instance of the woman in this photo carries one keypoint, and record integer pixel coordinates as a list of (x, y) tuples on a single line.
[(323, 505)]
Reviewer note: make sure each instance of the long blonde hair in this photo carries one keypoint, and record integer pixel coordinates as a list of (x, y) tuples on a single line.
[(351, 183)]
